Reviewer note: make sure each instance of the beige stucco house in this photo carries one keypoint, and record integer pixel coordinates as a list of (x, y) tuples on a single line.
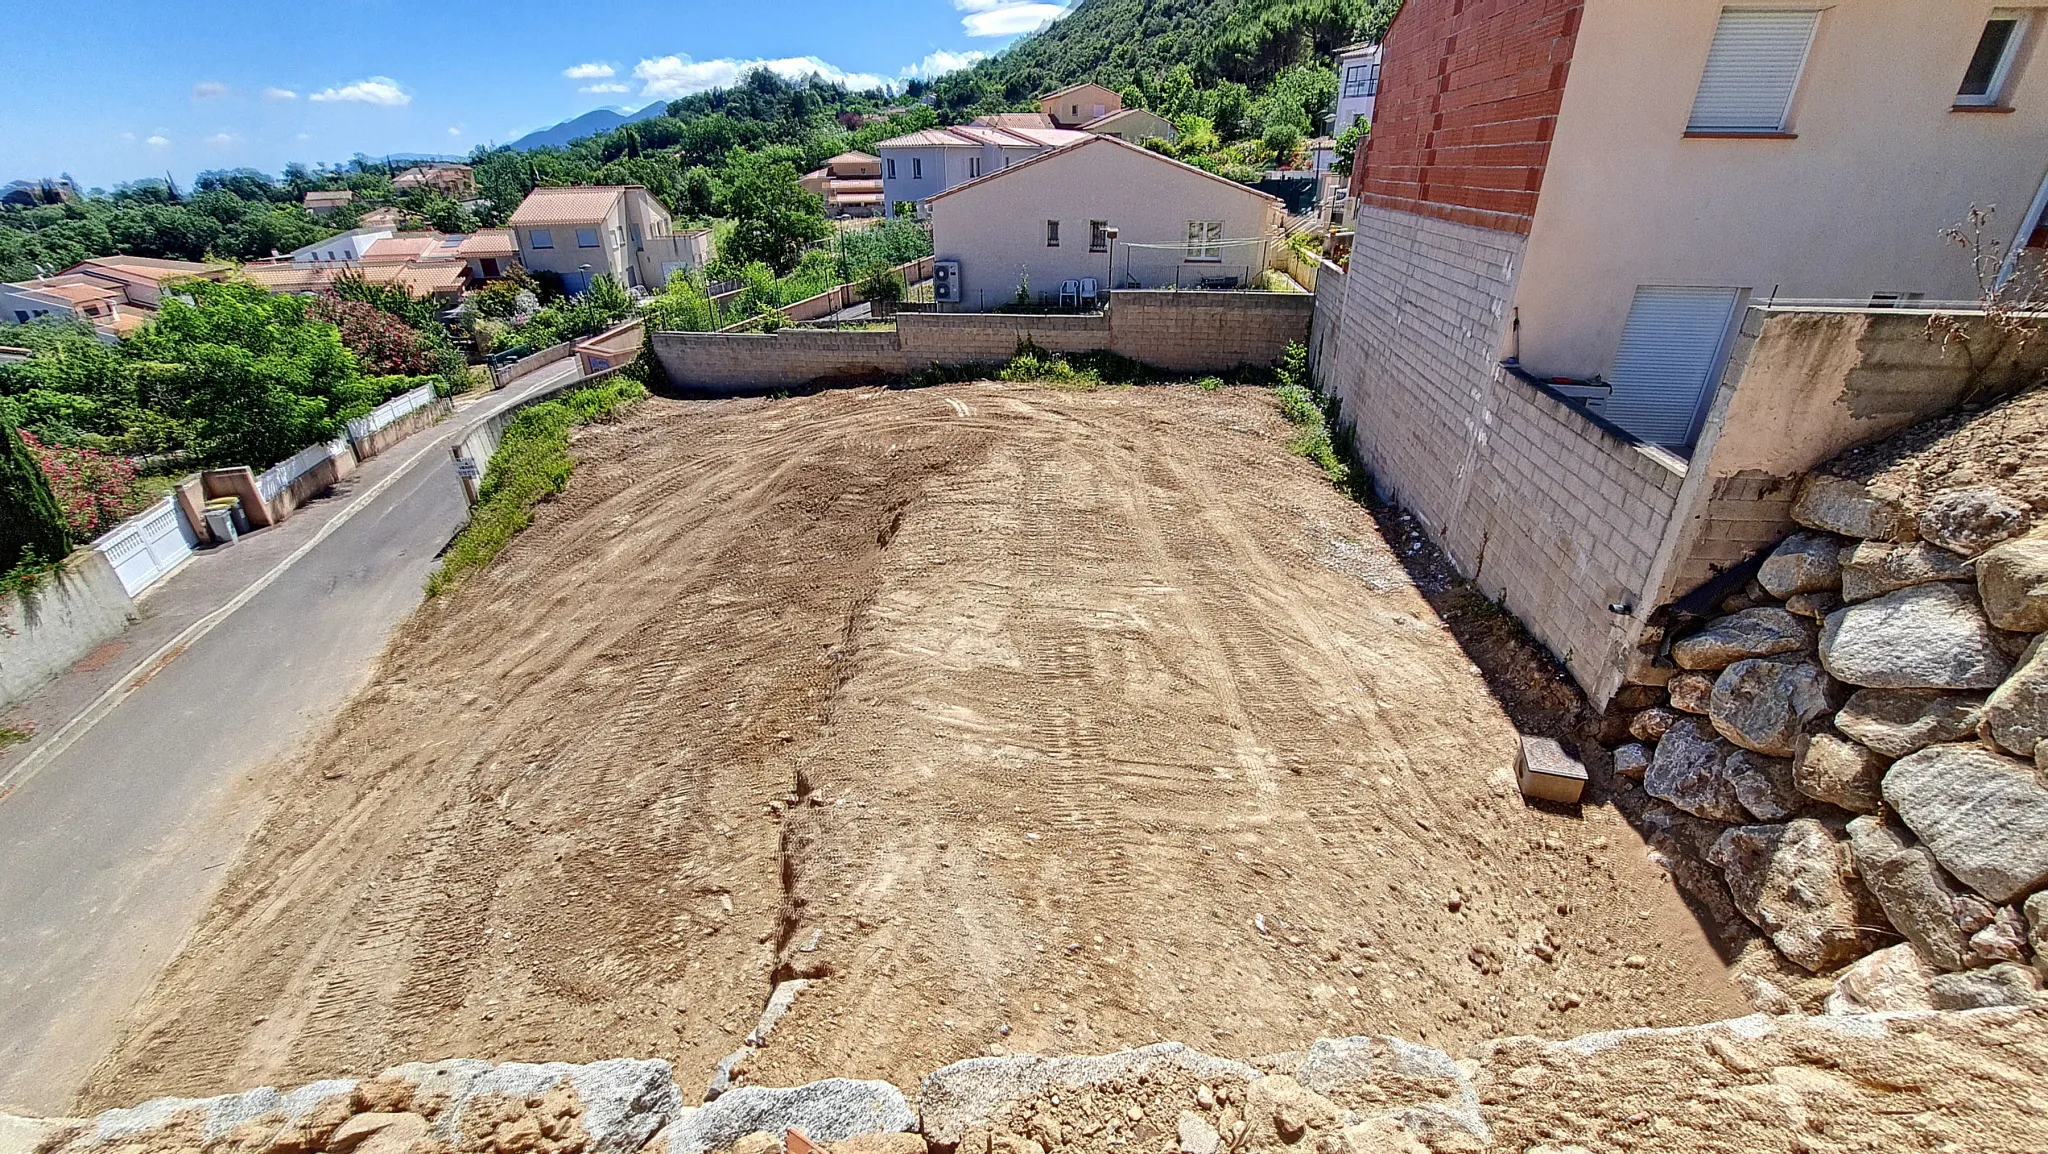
[(452, 180), (1135, 125), (1077, 104), (1047, 220), (584, 232), (920, 165), (850, 184)]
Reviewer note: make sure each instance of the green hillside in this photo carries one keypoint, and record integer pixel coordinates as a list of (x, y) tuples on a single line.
[(1137, 45)]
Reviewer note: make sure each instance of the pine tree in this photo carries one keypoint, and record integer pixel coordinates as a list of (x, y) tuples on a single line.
[(29, 519)]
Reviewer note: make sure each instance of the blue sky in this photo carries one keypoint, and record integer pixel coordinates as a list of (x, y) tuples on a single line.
[(114, 91)]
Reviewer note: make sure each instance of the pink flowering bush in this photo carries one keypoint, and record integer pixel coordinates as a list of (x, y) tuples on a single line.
[(386, 346), (95, 491)]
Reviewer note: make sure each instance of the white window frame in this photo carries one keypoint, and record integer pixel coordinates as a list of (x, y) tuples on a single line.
[(583, 232), (1996, 92), (540, 238), (892, 168), (1098, 230), (973, 167), (1205, 242), (1782, 126), (917, 168)]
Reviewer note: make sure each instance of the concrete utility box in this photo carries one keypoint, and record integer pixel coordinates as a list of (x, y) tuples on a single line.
[(1544, 770)]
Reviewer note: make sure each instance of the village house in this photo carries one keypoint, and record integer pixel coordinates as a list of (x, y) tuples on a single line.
[(621, 231), (115, 294), (1077, 104), (426, 264), (1101, 210), (850, 184), (322, 202), (456, 181), (1134, 125), (923, 164), (1358, 84)]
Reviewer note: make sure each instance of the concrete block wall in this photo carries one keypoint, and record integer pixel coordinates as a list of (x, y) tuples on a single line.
[(1195, 332), (1328, 319), (977, 338), (1191, 332), (81, 607), (1551, 513), (788, 358)]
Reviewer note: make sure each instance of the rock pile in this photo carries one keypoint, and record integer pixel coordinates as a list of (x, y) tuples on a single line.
[(1858, 745), (1825, 1084)]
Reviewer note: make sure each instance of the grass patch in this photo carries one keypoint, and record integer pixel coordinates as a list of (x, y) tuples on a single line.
[(1313, 417), (10, 735), (531, 465)]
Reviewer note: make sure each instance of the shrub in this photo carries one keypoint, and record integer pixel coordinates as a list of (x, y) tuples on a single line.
[(532, 463), (386, 345), (1209, 384), (95, 491), (33, 530), (881, 283)]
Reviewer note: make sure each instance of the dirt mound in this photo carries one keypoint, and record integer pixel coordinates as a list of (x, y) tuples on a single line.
[(2004, 446), (1018, 719)]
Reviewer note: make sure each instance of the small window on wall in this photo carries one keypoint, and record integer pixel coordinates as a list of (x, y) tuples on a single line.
[(1362, 79), (542, 238), (973, 167), (1052, 234), (586, 238), (1752, 71), (1205, 240), (892, 168), (1098, 236), (1987, 80), (917, 168)]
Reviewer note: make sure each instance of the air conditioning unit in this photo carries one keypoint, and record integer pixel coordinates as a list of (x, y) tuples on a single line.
[(946, 281)]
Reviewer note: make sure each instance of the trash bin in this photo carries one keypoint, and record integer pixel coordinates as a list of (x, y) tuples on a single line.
[(223, 519)]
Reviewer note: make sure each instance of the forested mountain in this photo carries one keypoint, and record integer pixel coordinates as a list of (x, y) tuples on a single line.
[(1137, 44), (589, 124)]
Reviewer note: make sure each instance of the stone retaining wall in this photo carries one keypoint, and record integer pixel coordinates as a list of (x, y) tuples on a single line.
[(1975, 1080), (79, 608)]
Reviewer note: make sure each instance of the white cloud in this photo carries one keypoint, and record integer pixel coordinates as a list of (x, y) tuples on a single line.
[(608, 87), (304, 137), (455, 130), (209, 90), (668, 77), (1006, 17), (223, 139), (380, 90), (274, 94), (157, 142), (591, 71), (941, 62)]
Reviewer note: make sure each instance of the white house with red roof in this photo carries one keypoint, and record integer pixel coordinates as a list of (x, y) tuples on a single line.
[(1047, 220), (114, 294)]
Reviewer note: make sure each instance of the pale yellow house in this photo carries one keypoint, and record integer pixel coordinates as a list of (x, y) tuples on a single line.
[(1135, 125), (1077, 104), (1048, 220), (451, 180), (584, 232)]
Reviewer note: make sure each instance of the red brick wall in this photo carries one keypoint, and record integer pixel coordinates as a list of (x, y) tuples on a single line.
[(1467, 105)]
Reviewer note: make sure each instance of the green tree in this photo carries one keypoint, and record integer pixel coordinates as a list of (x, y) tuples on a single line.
[(31, 526), (1177, 93), (1347, 147), (774, 218)]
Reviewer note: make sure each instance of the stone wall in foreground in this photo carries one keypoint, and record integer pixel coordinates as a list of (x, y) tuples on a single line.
[(1973, 1080)]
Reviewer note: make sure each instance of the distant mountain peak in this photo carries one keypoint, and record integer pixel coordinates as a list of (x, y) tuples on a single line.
[(589, 124)]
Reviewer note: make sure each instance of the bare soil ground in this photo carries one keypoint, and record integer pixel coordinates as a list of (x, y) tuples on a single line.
[(1025, 720)]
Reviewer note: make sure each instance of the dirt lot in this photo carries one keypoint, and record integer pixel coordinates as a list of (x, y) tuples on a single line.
[(1026, 720)]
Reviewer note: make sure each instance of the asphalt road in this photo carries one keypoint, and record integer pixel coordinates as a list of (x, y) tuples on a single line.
[(111, 849)]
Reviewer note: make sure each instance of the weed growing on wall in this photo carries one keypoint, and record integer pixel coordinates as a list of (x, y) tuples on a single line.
[(531, 465), (1312, 416)]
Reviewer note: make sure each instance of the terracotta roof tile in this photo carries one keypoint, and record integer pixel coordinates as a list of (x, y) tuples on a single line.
[(574, 205)]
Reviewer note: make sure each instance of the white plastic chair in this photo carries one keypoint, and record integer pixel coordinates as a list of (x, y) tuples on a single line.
[(1090, 290), (1070, 293)]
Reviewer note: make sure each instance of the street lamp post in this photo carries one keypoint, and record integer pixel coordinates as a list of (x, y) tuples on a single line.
[(585, 269), (1111, 234)]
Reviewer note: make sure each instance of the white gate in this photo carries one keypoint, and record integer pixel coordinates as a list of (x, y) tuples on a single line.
[(1670, 351), (148, 545)]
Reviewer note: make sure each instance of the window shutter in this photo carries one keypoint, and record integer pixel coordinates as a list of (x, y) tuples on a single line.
[(1670, 347), (1752, 70)]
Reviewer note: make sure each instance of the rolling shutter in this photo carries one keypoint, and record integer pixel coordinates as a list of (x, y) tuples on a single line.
[(1670, 349), (1752, 70)]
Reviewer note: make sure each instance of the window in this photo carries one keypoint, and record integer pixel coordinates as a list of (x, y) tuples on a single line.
[(892, 168), (542, 238), (21, 316), (586, 238), (1098, 236), (1752, 70), (636, 239), (973, 167), (1362, 79), (1205, 240), (917, 168), (1052, 234), (1984, 82), (1669, 360)]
